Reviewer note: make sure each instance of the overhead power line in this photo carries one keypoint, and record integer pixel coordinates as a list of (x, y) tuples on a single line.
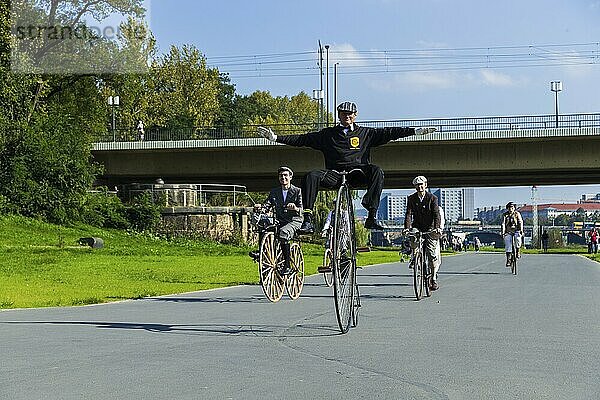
[(352, 62)]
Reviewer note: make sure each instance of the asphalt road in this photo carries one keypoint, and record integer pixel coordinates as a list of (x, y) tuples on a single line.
[(484, 335)]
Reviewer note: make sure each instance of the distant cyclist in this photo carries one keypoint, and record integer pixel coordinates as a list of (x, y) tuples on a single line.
[(512, 226), (344, 147), (423, 213)]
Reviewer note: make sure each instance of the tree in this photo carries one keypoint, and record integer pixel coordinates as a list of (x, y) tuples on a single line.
[(563, 220), (555, 238), (52, 37), (134, 89), (48, 122), (297, 110), (184, 92)]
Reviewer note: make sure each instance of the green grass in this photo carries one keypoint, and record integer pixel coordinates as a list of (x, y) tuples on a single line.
[(42, 265)]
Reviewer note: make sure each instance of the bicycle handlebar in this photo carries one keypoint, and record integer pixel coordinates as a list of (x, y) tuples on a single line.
[(347, 172)]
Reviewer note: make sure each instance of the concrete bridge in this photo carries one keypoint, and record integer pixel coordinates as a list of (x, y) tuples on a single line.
[(505, 157)]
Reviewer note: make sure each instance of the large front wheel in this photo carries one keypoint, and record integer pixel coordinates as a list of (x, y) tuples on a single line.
[(270, 262), (344, 259)]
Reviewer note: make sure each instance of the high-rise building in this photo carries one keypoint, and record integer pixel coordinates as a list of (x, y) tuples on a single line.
[(458, 204), (392, 207)]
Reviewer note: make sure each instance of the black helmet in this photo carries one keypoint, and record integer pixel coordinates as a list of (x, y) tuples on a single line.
[(347, 106), (509, 204)]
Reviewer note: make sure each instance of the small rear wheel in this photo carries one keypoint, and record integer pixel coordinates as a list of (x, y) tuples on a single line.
[(270, 262), (295, 280), (356, 308), (328, 263)]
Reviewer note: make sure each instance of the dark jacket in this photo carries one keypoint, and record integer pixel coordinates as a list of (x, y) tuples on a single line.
[(275, 200), (423, 215), (346, 151)]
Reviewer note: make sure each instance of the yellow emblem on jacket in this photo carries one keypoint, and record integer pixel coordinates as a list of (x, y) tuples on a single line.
[(354, 142)]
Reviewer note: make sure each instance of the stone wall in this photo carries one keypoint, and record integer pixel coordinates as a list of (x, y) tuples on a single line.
[(184, 213), (219, 223)]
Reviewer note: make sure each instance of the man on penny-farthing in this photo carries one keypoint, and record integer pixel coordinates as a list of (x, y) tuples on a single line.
[(345, 147), (286, 202)]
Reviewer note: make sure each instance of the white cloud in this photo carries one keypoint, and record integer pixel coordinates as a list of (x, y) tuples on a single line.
[(493, 78), (346, 55), (441, 80)]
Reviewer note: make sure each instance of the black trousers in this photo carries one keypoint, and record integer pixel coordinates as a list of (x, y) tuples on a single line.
[(371, 178)]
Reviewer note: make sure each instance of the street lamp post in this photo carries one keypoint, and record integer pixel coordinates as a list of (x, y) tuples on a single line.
[(113, 101), (318, 96), (321, 83), (327, 81), (556, 86), (335, 84)]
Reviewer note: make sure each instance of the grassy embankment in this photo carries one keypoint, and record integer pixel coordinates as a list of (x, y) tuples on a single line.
[(42, 265)]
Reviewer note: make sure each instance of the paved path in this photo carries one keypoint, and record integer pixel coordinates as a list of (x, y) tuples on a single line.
[(484, 335)]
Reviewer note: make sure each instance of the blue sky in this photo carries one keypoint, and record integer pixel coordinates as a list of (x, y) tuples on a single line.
[(488, 58)]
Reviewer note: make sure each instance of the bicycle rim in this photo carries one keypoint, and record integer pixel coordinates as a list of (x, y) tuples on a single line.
[(295, 281), (268, 266), (418, 276), (343, 254), (356, 308), (328, 262), (426, 277), (514, 258)]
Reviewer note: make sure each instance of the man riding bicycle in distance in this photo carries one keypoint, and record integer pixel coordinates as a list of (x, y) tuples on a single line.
[(423, 213), (344, 147), (286, 202), (512, 226)]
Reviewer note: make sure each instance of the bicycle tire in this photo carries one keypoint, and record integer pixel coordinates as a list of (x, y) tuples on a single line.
[(427, 274), (328, 262), (356, 308), (418, 275), (514, 257), (294, 282), (270, 262), (343, 266)]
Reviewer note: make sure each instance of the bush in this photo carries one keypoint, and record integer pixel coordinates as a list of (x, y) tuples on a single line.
[(143, 215), (103, 209)]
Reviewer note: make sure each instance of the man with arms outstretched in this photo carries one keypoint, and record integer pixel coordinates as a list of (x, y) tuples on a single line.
[(344, 147)]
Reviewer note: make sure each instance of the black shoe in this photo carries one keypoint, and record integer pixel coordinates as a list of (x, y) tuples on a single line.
[(323, 269), (307, 228), (370, 223), (434, 286), (254, 255)]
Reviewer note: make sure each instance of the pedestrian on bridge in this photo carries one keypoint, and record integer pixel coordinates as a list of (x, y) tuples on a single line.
[(345, 146)]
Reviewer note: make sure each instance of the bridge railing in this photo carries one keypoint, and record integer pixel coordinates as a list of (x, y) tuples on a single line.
[(444, 125)]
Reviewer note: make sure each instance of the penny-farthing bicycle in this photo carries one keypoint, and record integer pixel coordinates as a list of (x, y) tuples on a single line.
[(271, 263), (343, 257)]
